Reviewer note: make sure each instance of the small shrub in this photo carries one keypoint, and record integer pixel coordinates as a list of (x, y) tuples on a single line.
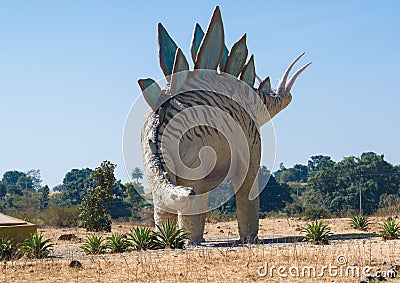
[(218, 216), (57, 216), (390, 230), (169, 236), (117, 243), (360, 222), (293, 209), (36, 247), (317, 233), (7, 249), (315, 212), (141, 238), (93, 245)]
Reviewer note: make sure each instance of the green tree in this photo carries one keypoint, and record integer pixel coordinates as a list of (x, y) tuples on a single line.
[(134, 199), (10, 179), (74, 187), (44, 197), (340, 187), (10, 201), (278, 173), (118, 207), (273, 196), (223, 197), (3, 191), (34, 174), (94, 209), (299, 173), (319, 162), (24, 182), (137, 174)]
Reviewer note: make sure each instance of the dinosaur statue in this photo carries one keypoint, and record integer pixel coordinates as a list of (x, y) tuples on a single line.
[(203, 128)]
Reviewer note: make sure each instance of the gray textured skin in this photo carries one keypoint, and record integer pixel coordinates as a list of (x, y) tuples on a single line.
[(175, 197), (171, 191)]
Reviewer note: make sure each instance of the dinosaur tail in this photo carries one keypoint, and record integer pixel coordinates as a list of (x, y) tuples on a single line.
[(166, 195)]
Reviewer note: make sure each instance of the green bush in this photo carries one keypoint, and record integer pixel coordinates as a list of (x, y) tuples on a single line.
[(390, 230), (316, 233), (360, 222), (57, 216), (7, 249), (93, 245), (117, 243), (141, 238), (218, 216), (94, 211), (169, 236), (316, 212), (36, 247), (293, 209)]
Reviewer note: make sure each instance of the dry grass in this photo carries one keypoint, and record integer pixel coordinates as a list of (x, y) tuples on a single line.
[(238, 264)]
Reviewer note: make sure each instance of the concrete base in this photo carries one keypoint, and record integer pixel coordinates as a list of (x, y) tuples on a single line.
[(17, 229)]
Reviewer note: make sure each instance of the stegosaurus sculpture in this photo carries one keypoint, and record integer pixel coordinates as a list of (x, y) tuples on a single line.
[(203, 128)]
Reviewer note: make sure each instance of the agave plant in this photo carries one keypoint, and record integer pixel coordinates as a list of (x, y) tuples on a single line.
[(316, 233), (117, 243), (390, 230), (360, 222), (93, 245), (7, 248), (141, 238), (170, 236), (37, 247)]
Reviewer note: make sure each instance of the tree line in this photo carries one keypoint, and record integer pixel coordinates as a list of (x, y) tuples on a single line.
[(321, 188), (83, 194)]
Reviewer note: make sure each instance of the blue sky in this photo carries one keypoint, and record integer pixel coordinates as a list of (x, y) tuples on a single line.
[(69, 70)]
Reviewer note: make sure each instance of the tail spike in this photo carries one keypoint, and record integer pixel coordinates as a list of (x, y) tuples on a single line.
[(294, 77), (280, 90)]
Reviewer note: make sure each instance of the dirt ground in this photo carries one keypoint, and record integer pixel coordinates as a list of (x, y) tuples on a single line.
[(341, 261)]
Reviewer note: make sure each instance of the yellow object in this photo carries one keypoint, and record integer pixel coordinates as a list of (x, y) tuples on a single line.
[(18, 229)]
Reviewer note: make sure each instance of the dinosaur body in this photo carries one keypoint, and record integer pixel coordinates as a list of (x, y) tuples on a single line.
[(203, 128)]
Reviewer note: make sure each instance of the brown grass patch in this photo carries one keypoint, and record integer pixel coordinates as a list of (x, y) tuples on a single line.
[(234, 264)]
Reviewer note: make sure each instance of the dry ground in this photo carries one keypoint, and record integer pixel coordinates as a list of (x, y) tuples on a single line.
[(203, 264)]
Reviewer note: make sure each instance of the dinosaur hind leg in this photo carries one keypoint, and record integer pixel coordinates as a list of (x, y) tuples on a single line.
[(247, 205), (194, 223), (162, 216)]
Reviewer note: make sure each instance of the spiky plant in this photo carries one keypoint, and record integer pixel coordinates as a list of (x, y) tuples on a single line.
[(390, 230), (316, 233), (360, 222), (36, 246), (141, 238), (170, 236), (117, 243), (93, 245), (7, 248)]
